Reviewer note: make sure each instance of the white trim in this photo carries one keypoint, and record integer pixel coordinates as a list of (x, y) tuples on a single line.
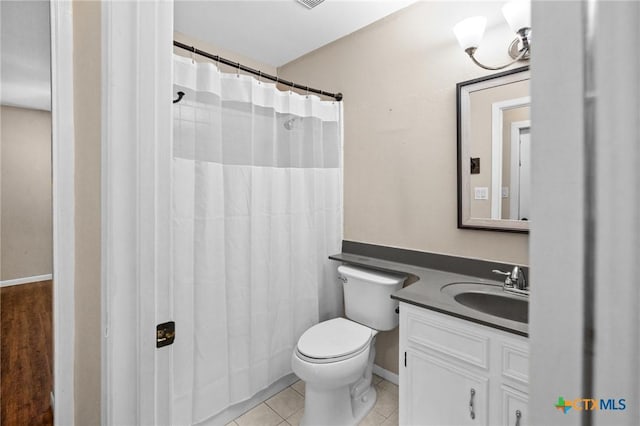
[(514, 189), (63, 170), (497, 113), (616, 212), (385, 374), (105, 365), (26, 280), (556, 240)]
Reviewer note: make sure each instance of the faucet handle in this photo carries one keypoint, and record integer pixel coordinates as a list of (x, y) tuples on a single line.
[(518, 278), (516, 273), (507, 280)]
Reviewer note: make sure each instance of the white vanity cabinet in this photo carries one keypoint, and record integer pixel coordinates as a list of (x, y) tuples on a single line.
[(456, 372)]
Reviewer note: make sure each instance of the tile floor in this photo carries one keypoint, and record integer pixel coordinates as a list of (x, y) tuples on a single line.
[(286, 408)]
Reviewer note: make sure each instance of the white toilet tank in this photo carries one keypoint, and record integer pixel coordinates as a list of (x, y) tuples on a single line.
[(367, 296)]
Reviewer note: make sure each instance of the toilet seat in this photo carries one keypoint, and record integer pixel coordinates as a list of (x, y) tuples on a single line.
[(334, 340)]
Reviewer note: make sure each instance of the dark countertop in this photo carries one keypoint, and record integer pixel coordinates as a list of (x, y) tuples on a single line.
[(424, 290)]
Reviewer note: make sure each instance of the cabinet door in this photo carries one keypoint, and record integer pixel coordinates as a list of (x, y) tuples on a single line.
[(514, 407), (438, 393)]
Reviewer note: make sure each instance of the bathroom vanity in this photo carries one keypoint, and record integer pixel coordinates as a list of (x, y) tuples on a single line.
[(456, 372), (463, 343)]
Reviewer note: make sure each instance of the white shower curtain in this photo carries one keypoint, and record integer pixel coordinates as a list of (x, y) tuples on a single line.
[(257, 208)]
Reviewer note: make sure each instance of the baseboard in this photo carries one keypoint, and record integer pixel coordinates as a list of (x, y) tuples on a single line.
[(26, 280), (385, 374)]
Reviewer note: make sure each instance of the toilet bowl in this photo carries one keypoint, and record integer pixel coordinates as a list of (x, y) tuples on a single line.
[(335, 358)]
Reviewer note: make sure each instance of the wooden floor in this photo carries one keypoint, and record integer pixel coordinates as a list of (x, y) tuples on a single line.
[(26, 358)]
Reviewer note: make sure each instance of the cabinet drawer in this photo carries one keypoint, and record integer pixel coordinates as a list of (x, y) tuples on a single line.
[(447, 338), (515, 363)]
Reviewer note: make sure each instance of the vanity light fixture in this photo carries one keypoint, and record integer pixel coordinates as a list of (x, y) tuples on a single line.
[(517, 13)]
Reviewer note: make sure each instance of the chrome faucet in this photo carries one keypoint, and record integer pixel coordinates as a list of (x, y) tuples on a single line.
[(515, 281)]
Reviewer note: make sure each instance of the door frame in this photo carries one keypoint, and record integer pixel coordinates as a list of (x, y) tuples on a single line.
[(497, 111), (514, 190), (63, 210)]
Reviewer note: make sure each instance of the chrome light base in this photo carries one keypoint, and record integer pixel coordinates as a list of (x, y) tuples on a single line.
[(524, 40), (519, 50), (515, 50)]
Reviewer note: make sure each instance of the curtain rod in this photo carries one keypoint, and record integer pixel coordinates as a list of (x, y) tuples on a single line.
[(239, 66)]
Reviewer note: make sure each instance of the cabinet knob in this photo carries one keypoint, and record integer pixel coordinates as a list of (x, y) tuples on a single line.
[(518, 415), (472, 411)]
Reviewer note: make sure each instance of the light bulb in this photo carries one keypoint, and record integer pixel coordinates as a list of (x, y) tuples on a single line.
[(517, 14), (469, 32)]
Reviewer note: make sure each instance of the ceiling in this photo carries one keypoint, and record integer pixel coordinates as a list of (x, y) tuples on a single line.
[(273, 32), (276, 32), (25, 47)]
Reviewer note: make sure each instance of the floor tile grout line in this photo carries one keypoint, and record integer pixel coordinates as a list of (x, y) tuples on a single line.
[(273, 409), (297, 391)]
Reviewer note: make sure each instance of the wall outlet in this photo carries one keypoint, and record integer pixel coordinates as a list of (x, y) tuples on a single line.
[(481, 193)]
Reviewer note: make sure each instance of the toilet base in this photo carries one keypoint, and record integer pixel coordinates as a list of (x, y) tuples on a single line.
[(363, 405), (345, 410), (343, 406)]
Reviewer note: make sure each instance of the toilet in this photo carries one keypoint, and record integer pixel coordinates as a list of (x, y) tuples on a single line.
[(335, 358)]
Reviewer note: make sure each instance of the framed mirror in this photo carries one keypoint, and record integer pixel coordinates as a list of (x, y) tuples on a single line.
[(494, 145)]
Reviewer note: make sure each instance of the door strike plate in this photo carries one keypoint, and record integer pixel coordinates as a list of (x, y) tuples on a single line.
[(165, 334)]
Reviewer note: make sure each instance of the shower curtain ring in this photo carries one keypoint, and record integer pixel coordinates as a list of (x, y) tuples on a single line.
[(193, 54), (238, 70), (259, 77), (307, 88)]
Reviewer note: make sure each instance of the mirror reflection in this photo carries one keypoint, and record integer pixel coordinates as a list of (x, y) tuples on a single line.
[(494, 138)]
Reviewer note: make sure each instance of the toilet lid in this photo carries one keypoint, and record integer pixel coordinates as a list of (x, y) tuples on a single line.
[(334, 338)]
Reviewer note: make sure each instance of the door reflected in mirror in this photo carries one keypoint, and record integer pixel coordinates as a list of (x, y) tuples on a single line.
[(494, 146)]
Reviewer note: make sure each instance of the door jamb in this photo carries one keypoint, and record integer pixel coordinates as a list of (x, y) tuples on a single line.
[(63, 209)]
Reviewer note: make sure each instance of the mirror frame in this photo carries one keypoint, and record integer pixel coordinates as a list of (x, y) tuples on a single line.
[(463, 89)]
